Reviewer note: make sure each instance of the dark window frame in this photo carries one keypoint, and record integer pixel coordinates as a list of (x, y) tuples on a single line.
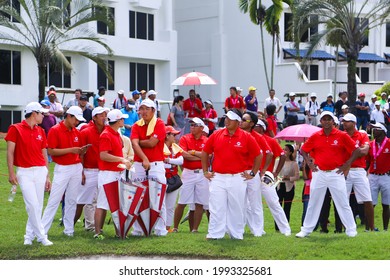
[(59, 77), (103, 28), (141, 76), (11, 70), (102, 79), (141, 25)]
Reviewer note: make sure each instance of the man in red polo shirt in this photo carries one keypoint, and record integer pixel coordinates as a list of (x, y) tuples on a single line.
[(232, 148), (357, 176), (192, 107), (148, 137), (26, 149), (234, 101), (270, 195), (195, 189), (379, 171), (333, 152), (110, 156), (89, 184), (254, 207), (64, 146)]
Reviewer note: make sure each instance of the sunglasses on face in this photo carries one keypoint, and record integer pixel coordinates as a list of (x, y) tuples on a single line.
[(248, 121)]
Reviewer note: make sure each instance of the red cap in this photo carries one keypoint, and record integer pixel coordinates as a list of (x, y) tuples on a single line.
[(51, 92), (101, 98), (362, 94), (170, 129)]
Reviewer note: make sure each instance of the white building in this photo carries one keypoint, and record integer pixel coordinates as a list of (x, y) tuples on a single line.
[(214, 37), (145, 53)]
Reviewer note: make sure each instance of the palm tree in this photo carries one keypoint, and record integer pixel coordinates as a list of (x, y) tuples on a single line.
[(51, 28), (347, 24), (268, 18)]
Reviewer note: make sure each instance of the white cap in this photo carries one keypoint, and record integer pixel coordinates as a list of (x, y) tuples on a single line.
[(344, 107), (330, 95), (151, 92), (313, 94), (197, 121), (326, 113), (383, 93), (206, 129), (121, 92), (374, 96), (35, 107), (291, 94), (349, 118), (377, 102), (238, 89), (336, 120), (98, 110), (379, 126), (262, 124), (77, 112), (148, 103), (233, 116), (116, 115), (208, 102)]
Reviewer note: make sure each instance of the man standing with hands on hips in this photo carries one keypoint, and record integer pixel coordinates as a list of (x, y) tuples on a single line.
[(26, 149), (231, 147), (333, 152)]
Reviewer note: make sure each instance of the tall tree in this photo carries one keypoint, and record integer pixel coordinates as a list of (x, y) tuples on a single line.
[(267, 18), (346, 24), (51, 28)]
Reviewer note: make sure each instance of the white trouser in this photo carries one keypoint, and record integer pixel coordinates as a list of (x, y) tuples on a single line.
[(254, 206), (271, 197), (88, 196), (227, 206), (321, 181), (32, 183), (170, 203), (156, 171), (357, 178), (195, 188), (66, 180), (380, 184)]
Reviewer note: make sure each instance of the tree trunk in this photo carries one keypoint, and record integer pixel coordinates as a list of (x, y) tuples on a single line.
[(42, 82), (351, 86), (263, 52)]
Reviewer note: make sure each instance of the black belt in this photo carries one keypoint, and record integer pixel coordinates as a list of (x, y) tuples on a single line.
[(195, 170), (381, 174)]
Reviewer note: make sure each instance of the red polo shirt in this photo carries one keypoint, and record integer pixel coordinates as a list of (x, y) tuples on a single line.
[(157, 152), (60, 137), (90, 135), (170, 172), (237, 102), (382, 160), (264, 147), (188, 105), (231, 153), (110, 141), (276, 149), (360, 140), (188, 143), (332, 151), (29, 144), (211, 114)]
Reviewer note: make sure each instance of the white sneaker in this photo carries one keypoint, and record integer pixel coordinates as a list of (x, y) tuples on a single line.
[(287, 233), (69, 234), (46, 242), (27, 242), (301, 234), (352, 234)]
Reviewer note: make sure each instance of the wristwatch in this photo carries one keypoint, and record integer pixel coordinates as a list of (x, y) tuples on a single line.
[(252, 174)]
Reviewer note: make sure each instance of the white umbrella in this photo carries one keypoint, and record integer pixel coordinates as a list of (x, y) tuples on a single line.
[(194, 79)]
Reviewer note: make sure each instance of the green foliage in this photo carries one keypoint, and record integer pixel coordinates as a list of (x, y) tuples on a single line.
[(384, 88)]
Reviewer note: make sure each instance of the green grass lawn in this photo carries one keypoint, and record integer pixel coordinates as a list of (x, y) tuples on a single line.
[(272, 246)]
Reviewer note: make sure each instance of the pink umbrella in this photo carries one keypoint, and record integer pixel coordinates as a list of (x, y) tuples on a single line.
[(299, 132), (194, 79)]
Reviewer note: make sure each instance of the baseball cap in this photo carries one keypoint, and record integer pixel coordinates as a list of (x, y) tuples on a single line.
[(330, 95), (151, 92), (52, 87), (35, 107), (383, 93), (135, 92), (262, 124), (344, 107), (116, 115), (362, 94), (148, 103), (313, 94), (77, 112), (377, 102), (239, 89), (101, 98), (326, 113), (349, 118), (379, 126), (206, 129), (121, 92), (291, 94), (197, 121), (98, 110), (208, 102), (142, 91), (374, 96), (170, 129), (51, 92), (233, 116), (84, 97), (131, 103), (45, 102), (252, 88), (336, 120)]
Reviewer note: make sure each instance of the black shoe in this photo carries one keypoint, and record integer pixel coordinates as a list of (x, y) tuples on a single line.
[(338, 231), (324, 231)]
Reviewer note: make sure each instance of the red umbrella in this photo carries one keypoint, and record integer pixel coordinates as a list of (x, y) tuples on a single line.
[(194, 79), (299, 132)]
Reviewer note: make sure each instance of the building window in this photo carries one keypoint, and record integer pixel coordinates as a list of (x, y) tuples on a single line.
[(141, 76), (306, 36), (363, 24), (310, 32), (141, 26), (388, 34), (363, 73), (56, 75), (311, 72), (287, 31), (10, 67), (103, 28), (102, 77), (15, 4)]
